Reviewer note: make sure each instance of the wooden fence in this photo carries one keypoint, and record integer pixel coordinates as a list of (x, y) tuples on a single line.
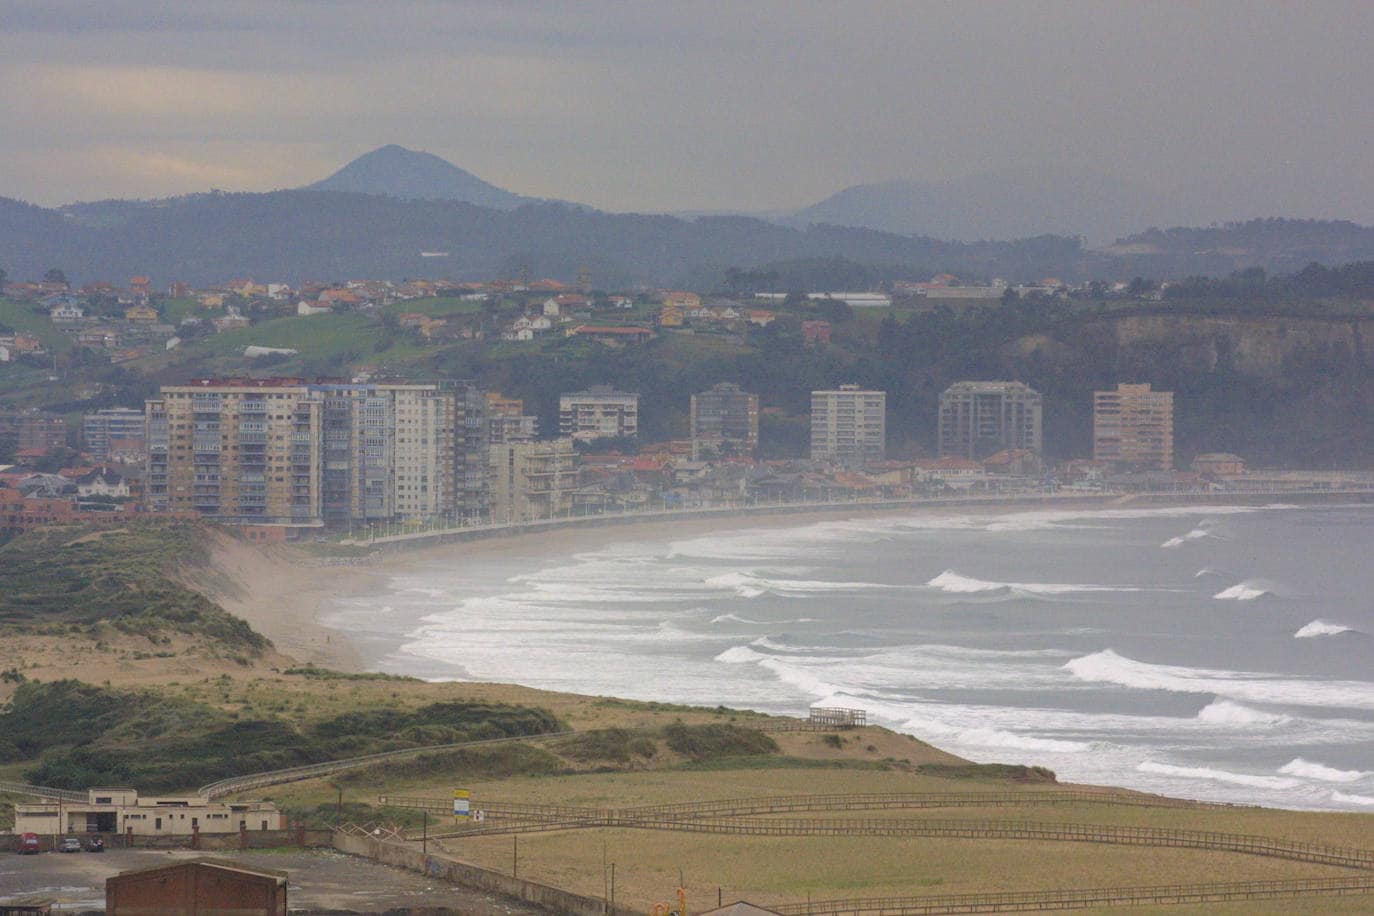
[(786, 804), (1247, 844), (1024, 901)]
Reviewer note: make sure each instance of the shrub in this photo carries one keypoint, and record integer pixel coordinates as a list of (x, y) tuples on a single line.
[(703, 742), (501, 760), (616, 745)]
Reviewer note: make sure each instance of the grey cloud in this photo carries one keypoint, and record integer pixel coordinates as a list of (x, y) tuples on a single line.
[(1240, 108)]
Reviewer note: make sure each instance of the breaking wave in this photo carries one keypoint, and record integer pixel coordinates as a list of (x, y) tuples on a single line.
[(748, 585), (955, 583), (991, 737), (1244, 591), (1309, 770), (1240, 779), (1224, 712), (1321, 628), (1109, 668), (1196, 534)]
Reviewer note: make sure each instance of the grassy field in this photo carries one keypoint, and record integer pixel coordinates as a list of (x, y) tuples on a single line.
[(768, 870), (435, 307), (19, 317)]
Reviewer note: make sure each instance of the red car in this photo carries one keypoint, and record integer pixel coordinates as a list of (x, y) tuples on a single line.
[(28, 844)]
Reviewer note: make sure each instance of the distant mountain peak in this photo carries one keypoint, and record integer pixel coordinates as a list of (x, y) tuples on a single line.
[(394, 171)]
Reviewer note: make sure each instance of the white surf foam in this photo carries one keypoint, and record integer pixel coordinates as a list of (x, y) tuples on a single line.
[(1196, 534), (955, 583), (1224, 712), (735, 618), (1108, 667), (1244, 591), (1342, 798), (751, 585), (1320, 628), (739, 655), (961, 735), (1309, 770), (1240, 779), (427, 592)]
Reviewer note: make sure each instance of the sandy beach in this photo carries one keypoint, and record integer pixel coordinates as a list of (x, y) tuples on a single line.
[(285, 594)]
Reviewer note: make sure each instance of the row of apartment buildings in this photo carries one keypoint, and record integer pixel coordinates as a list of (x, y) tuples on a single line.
[(288, 453), (291, 454), (1132, 425)]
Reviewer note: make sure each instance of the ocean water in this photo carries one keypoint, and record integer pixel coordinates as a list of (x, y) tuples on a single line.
[(1221, 653)]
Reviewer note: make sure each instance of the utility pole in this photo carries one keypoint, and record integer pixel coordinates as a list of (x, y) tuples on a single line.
[(515, 855), (424, 842)]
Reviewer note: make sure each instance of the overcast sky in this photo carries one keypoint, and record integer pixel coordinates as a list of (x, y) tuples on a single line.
[(1262, 107)]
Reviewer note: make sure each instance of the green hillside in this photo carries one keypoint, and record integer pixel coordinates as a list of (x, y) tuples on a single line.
[(83, 577)]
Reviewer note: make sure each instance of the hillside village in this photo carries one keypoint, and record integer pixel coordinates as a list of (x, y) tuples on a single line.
[(122, 355)]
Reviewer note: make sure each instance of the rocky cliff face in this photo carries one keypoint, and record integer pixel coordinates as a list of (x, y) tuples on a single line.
[(1265, 347), (1289, 390)]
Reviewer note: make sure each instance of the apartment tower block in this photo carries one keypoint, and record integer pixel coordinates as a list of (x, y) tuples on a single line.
[(848, 425), (978, 419), (725, 421), (1133, 426)]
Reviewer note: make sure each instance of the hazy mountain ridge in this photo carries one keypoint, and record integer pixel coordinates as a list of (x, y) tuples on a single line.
[(394, 171), (295, 235), (1012, 204), (376, 215)]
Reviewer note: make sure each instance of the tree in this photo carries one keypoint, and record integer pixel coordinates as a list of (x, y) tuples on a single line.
[(834, 310), (55, 275), (4, 276)]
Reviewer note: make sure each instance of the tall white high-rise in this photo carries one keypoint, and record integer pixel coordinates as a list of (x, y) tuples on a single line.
[(848, 425)]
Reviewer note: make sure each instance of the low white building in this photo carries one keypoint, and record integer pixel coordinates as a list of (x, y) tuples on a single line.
[(121, 810), (102, 482)]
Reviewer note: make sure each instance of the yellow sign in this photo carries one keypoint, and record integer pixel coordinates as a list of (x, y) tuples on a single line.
[(462, 806)]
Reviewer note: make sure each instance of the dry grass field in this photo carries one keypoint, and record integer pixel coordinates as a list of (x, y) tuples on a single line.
[(791, 869)]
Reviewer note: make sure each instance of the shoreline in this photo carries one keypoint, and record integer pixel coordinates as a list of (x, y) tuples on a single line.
[(269, 583), (350, 642), (392, 543)]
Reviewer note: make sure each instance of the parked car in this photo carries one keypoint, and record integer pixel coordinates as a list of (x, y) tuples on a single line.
[(70, 844), (95, 844), (28, 844)]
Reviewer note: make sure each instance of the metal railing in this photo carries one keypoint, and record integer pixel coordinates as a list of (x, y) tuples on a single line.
[(20, 788)]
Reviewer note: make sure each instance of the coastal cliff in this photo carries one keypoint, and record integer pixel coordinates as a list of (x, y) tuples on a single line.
[(1264, 346)]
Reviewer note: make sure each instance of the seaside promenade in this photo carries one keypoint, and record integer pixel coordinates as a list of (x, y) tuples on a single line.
[(440, 532)]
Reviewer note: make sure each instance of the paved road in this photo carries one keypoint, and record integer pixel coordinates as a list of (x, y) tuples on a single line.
[(319, 880)]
